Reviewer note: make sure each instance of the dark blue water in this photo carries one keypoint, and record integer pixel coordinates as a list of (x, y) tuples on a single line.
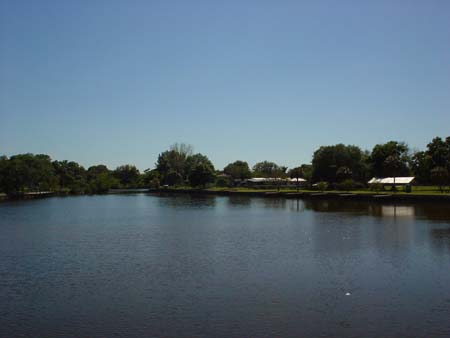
[(147, 266)]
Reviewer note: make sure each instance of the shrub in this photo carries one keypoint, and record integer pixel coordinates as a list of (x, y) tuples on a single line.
[(322, 185), (376, 187), (223, 181), (154, 183), (346, 185)]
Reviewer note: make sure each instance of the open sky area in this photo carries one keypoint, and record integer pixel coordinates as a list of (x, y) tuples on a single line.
[(118, 82)]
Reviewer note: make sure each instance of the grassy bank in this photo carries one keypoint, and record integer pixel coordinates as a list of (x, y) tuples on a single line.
[(421, 194), (416, 190)]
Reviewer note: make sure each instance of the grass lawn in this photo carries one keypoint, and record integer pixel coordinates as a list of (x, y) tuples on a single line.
[(416, 190)]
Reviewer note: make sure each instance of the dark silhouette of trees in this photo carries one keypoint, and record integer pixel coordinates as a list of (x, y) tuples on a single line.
[(331, 163), (344, 166), (128, 176), (238, 170), (382, 167)]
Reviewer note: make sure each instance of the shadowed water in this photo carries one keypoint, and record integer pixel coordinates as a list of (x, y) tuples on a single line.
[(184, 266)]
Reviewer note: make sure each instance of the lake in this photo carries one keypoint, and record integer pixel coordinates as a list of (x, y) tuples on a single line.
[(205, 266)]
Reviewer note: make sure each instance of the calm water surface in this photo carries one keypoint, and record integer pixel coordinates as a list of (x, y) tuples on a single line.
[(181, 266)]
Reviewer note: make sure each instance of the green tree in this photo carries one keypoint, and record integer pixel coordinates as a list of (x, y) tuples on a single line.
[(328, 160), (200, 170), (171, 164), (3, 172), (307, 170), (27, 172), (392, 166), (343, 173), (267, 169), (270, 170), (439, 151), (128, 176), (421, 164), (193, 160), (440, 177), (173, 178), (201, 175), (100, 179), (380, 153), (238, 170), (222, 181), (150, 179), (71, 176), (296, 173)]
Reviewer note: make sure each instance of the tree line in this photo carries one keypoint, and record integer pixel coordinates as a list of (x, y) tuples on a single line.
[(338, 165)]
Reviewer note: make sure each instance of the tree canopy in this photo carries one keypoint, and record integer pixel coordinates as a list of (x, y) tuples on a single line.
[(268, 169), (238, 170), (330, 163), (340, 165), (390, 156), (128, 176)]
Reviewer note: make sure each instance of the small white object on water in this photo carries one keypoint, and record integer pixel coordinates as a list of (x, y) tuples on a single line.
[(347, 294)]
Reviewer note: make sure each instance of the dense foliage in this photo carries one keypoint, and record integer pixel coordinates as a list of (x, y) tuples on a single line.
[(340, 166)]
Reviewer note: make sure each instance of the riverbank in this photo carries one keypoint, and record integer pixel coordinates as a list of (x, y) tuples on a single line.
[(363, 195), (310, 194)]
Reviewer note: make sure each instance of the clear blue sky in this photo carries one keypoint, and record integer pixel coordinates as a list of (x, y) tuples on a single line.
[(118, 82)]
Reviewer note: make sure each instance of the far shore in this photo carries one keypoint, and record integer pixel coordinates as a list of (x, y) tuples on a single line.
[(359, 195), (365, 195)]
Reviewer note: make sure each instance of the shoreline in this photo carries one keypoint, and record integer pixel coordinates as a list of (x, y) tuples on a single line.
[(325, 195), (375, 197)]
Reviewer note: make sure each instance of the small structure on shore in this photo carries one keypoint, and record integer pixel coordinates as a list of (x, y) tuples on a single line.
[(405, 182), (269, 181)]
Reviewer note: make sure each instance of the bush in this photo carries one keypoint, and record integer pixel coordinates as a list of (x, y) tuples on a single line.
[(154, 183), (376, 187), (358, 185), (346, 185), (322, 186), (223, 181)]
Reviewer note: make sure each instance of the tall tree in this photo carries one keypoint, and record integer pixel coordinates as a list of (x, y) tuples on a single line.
[(100, 179), (3, 172), (328, 160), (150, 178), (296, 173), (439, 151), (421, 165), (440, 177), (381, 152), (392, 166), (200, 170), (171, 164), (238, 170), (201, 174), (128, 176), (28, 172), (71, 176), (268, 169)]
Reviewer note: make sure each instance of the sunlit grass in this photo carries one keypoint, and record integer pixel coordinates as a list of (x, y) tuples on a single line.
[(416, 190)]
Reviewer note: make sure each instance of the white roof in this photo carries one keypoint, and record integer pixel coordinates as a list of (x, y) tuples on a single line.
[(390, 180), (262, 179), (295, 180), (272, 179)]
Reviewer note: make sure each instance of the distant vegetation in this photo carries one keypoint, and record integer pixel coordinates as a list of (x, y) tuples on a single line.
[(339, 166)]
